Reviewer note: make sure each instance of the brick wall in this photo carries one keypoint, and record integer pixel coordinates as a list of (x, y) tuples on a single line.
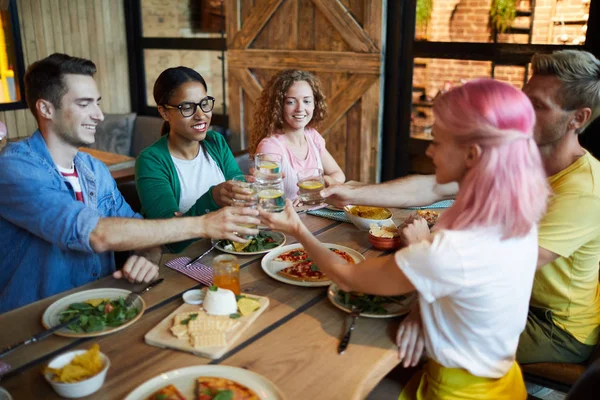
[(467, 21)]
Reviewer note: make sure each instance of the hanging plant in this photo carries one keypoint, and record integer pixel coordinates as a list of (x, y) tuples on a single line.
[(503, 14), (424, 8)]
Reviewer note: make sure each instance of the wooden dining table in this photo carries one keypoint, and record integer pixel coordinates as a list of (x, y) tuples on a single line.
[(293, 343), (121, 167)]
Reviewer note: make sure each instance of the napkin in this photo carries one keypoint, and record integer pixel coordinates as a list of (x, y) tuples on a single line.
[(334, 215), (196, 271), (439, 204)]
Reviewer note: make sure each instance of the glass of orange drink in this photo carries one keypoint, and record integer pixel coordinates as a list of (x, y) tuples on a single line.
[(226, 272)]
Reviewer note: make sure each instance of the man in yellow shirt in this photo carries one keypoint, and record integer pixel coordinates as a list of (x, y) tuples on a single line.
[(564, 318)]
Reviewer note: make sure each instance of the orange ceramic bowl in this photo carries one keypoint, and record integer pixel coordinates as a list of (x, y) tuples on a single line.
[(380, 243)]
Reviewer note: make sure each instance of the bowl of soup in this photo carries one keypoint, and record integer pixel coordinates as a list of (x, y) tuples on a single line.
[(363, 216)]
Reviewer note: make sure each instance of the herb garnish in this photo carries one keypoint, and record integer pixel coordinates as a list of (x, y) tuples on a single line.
[(234, 316), (213, 288), (368, 303), (190, 318)]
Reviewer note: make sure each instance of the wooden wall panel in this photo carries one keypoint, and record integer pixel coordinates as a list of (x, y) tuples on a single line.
[(93, 29), (337, 40)]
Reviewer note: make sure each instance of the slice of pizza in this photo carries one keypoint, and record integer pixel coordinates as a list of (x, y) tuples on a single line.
[(304, 271), (208, 388), (294, 255), (347, 257), (167, 393)]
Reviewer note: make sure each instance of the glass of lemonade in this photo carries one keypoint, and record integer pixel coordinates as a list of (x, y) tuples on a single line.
[(311, 182), (267, 167), (271, 196), (248, 182), (226, 272)]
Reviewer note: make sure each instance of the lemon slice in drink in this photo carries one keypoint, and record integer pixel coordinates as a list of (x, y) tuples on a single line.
[(310, 185), (268, 165), (270, 194)]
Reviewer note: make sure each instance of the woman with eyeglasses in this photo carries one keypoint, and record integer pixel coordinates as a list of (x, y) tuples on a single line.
[(187, 172)]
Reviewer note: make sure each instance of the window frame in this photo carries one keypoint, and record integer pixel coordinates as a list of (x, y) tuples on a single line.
[(19, 58), (137, 43), (403, 48)]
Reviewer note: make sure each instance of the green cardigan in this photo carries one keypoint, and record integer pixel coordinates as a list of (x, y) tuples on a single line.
[(158, 184)]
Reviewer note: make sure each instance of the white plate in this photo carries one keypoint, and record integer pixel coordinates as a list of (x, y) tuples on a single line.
[(394, 309), (334, 208), (184, 380), (51, 316), (277, 236), (271, 267)]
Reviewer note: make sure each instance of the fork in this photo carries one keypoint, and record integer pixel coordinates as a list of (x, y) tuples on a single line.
[(134, 295), (346, 339)]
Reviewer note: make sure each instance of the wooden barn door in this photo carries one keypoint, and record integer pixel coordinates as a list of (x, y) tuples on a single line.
[(339, 41)]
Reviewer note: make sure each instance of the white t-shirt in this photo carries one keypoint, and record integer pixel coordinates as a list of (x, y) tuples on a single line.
[(195, 178), (474, 291)]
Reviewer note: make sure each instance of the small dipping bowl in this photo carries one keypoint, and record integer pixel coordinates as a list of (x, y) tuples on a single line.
[(381, 243), (194, 296), (81, 388)]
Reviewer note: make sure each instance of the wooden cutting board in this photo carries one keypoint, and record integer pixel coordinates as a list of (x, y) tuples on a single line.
[(161, 336)]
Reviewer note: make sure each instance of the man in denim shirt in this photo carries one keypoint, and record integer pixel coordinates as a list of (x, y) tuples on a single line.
[(61, 214)]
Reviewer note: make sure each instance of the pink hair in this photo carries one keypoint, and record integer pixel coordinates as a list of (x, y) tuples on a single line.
[(507, 187)]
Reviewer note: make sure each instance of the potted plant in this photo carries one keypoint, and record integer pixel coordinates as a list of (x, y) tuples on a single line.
[(424, 8), (502, 14)]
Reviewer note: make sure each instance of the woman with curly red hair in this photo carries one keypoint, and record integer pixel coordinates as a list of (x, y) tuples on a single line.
[(289, 109)]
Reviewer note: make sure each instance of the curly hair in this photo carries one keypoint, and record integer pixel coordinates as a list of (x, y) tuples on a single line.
[(268, 115)]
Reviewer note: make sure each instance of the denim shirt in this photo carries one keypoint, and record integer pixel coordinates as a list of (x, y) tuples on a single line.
[(44, 231)]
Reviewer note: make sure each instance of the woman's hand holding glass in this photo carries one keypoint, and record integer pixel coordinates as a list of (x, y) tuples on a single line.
[(231, 223), (224, 194)]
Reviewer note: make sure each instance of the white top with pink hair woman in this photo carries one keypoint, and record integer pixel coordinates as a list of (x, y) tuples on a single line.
[(474, 273)]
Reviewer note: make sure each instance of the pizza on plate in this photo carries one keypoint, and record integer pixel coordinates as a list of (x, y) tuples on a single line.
[(294, 255), (208, 388), (347, 257), (167, 393), (430, 216), (305, 271)]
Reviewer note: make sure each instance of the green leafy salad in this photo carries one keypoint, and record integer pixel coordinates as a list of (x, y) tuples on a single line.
[(262, 241), (369, 303), (98, 314)]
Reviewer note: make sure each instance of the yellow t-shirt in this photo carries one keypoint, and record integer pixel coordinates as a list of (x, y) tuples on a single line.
[(571, 228)]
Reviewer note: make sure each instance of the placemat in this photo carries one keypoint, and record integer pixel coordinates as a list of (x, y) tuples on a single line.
[(196, 271), (439, 204), (334, 215)]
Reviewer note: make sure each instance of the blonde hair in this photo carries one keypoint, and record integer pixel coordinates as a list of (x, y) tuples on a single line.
[(268, 114), (579, 72)]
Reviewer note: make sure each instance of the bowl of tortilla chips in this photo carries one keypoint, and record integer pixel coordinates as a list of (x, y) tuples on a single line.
[(364, 216), (385, 237), (77, 373)]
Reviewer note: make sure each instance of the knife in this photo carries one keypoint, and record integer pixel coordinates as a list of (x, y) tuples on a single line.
[(346, 339), (133, 295), (38, 337), (48, 332), (202, 255)]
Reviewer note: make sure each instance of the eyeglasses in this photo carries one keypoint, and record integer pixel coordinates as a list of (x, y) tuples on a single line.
[(188, 108)]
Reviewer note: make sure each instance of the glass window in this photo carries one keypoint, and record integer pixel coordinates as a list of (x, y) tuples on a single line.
[(531, 21), (10, 91), (179, 18)]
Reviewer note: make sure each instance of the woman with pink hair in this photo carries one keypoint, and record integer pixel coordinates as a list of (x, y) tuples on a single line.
[(474, 273)]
